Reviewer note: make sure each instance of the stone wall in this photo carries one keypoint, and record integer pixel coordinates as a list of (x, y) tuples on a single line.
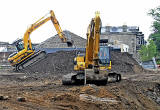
[(125, 38)]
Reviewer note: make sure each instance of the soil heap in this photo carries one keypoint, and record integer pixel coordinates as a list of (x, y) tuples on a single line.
[(61, 62), (124, 63)]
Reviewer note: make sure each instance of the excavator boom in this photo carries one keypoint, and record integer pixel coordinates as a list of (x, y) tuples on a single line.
[(62, 36)]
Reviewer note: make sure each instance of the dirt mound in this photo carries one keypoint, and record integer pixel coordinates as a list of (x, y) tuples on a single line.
[(57, 63), (62, 63), (124, 63)]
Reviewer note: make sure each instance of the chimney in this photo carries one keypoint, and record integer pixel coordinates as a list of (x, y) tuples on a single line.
[(124, 27), (108, 28)]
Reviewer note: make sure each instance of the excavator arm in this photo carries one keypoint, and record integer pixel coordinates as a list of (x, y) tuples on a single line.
[(97, 31), (65, 39), (58, 28), (93, 38), (40, 22)]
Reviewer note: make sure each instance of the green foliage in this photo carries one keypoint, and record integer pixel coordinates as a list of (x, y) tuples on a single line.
[(151, 49), (148, 51), (158, 61), (155, 36), (155, 13), (143, 53)]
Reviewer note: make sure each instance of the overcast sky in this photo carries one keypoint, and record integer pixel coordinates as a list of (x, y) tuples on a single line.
[(73, 15)]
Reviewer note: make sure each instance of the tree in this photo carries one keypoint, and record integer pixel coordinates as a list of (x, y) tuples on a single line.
[(151, 49), (147, 52), (155, 36), (143, 53)]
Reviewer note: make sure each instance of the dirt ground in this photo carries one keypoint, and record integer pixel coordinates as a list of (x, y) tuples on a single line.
[(45, 92), (39, 87)]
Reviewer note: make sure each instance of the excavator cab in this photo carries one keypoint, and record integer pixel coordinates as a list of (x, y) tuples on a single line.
[(19, 44), (104, 55)]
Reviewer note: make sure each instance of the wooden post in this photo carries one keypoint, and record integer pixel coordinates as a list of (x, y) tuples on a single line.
[(85, 77)]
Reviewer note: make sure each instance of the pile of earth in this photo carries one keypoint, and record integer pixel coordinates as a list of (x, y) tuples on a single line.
[(125, 63), (61, 62)]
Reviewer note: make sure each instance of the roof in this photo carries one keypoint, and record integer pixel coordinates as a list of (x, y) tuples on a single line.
[(4, 43), (121, 29)]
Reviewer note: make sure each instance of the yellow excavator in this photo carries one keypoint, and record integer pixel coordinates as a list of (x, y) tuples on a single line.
[(26, 54), (93, 67)]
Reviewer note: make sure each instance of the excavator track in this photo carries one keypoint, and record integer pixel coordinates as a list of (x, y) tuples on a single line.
[(38, 56), (89, 77), (68, 79)]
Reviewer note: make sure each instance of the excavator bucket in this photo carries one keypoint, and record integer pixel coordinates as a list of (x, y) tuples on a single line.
[(70, 43), (69, 40)]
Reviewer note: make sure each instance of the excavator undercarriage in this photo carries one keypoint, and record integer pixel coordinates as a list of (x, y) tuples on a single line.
[(36, 57), (89, 77)]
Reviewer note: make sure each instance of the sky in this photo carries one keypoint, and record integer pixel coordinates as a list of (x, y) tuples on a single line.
[(73, 15)]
